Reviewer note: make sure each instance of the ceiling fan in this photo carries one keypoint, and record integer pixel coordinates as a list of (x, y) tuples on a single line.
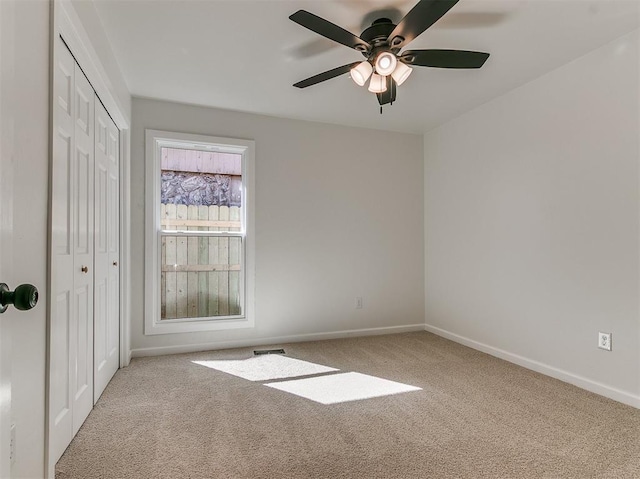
[(381, 44)]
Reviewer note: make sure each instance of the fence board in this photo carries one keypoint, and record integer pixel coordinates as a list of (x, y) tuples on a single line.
[(203, 260), (223, 258), (234, 260), (192, 259), (170, 277), (213, 259), (182, 305), (169, 216), (163, 275)]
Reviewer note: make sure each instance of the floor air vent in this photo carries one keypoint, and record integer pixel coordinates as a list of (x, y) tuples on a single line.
[(260, 352)]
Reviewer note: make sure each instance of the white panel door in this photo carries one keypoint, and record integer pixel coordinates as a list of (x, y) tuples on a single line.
[(83, 229), (107, 290), (71, 329), (113, 246), (6, 222), (63, 310)]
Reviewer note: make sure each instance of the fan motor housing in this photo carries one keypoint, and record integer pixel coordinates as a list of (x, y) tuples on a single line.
[(376, 35)]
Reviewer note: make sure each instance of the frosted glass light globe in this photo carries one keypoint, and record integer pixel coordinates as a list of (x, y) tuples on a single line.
[(401, 73), (378, 84), (361, 73), (386, 63)]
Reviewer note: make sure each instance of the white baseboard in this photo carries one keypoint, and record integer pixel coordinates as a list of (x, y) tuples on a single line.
[(243, 343), (624, 397)]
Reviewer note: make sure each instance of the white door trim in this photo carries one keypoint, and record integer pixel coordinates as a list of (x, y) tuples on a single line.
[(66, 24)]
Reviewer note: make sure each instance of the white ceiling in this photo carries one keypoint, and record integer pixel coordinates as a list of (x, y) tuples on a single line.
[(245, 55)]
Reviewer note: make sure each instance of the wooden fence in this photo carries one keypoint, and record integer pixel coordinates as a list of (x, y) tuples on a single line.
[(200, 276)]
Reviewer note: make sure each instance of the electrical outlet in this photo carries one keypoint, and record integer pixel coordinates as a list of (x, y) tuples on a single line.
[(358, 302), (12, 445), (604, 341)]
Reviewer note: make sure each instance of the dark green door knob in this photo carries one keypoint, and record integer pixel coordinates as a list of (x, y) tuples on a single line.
[(23, 298)]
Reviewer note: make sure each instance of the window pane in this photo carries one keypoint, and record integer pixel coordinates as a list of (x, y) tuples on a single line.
[(200, 276), (195, 179)]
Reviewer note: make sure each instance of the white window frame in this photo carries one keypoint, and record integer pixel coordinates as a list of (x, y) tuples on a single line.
[(155, 141)]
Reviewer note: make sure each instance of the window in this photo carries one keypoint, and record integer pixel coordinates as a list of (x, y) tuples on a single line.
[(199, 253)]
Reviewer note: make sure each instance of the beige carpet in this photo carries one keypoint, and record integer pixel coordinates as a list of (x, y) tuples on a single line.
[(475, 417)]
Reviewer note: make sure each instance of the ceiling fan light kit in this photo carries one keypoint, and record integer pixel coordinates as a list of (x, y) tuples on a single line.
[(361, 73), (378, 84), (401, 73), (386, 63), (381, 44)]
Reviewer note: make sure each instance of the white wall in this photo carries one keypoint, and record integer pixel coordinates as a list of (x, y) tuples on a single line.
[(532, 208), (339, 214), (88, 18)]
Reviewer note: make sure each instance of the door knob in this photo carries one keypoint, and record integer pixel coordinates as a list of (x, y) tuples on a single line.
[(115, 263), (23, 298), (84, 269)]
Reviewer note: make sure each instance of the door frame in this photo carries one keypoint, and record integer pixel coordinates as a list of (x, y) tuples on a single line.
[(66, 23)]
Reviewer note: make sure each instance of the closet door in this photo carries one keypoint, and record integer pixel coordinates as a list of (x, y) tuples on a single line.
[(71, 328), (83, 226), (62, 248), (107, 258)]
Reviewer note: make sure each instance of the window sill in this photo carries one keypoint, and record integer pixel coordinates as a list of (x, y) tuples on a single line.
[(197, 325)]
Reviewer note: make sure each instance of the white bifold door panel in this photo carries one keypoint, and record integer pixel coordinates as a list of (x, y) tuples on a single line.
[(82, 189), (62, 275), (84, 282), (107, 252), (71, 365)]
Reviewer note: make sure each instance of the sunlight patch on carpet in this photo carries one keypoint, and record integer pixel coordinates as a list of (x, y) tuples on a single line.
[(337, 388), (267, 367)]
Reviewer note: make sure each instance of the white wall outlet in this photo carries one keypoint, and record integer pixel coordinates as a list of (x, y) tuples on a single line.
[(358, 302), (12, 445), (604, 341)]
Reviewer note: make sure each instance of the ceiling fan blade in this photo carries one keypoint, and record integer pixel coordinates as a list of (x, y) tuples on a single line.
[(444, 58), (328, 75), (329, 30), (424, 14)]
